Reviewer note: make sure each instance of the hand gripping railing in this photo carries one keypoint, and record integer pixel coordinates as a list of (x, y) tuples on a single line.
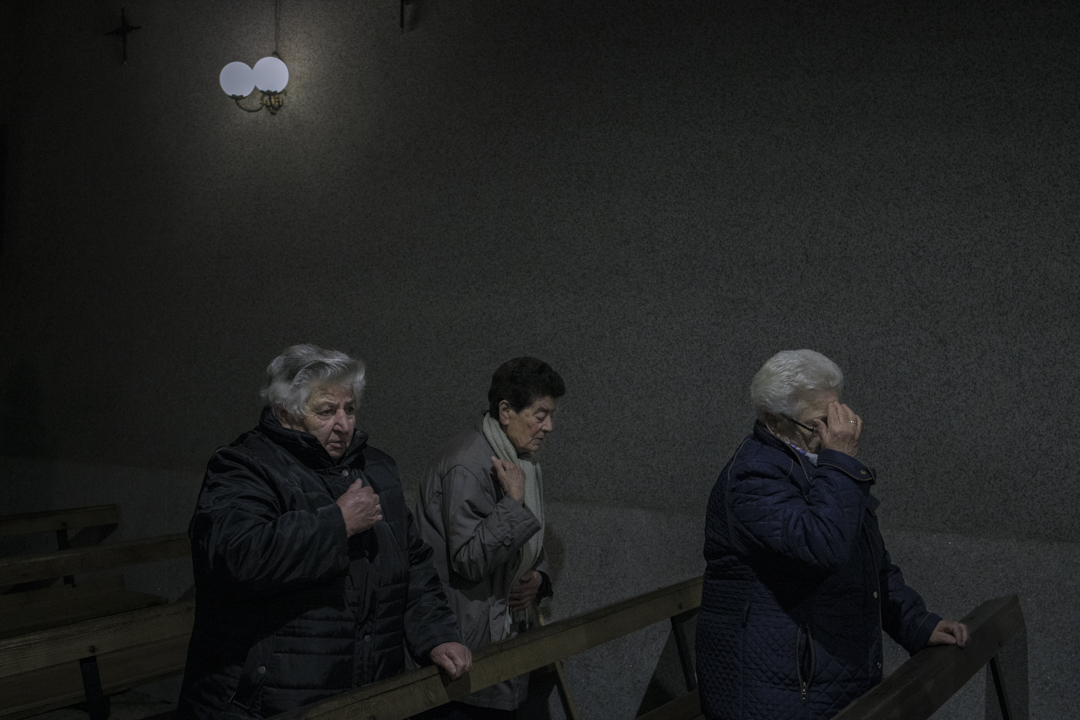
[(932, 676), (921, 685), (399, 697)]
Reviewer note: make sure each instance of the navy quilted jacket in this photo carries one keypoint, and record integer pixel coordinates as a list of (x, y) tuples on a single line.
[(797, 588), (289, 610)]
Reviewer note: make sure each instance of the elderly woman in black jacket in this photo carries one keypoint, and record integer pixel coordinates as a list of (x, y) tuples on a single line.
[(798, 584), (310, 575)]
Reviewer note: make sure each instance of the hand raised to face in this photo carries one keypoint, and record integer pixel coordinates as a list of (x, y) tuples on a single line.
[(843, 431)]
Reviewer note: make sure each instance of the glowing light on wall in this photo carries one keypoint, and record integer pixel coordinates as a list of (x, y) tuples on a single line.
[(270, 75)]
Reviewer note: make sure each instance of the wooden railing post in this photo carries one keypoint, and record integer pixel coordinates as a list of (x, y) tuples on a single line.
[(1007, 680), (569, 708), (97, 702), (63, 543), (678, 631)]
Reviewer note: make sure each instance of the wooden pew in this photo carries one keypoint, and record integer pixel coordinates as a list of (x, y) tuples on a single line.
[(44, 670), (19, 569), (32, 599), (33, 610), (97, 523), (120, 631), (63, 643), (59, 520)]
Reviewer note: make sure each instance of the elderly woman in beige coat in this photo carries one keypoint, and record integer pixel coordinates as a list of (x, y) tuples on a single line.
[(481, 509)]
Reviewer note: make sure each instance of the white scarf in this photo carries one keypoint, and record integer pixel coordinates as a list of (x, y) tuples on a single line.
[(812, 457), (533, 500)]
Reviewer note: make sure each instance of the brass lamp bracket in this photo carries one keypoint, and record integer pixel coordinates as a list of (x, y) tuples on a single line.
[(271, 101)]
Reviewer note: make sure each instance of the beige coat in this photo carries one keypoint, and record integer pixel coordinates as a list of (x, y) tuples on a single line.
[(477, 533)]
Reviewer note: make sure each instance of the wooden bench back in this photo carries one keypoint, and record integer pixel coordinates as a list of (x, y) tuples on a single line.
[(18, 569), (52, 520)]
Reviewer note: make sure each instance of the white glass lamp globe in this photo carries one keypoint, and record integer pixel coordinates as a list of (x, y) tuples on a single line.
[(271, 75), (237, 80)]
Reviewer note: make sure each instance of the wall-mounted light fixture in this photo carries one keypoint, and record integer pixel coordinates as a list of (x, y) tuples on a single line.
[(270, 76)]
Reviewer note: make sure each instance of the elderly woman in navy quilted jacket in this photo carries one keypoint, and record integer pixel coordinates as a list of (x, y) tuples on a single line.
[(798, 584)]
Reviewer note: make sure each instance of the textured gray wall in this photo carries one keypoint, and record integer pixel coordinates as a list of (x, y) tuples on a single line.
[(654, 197)]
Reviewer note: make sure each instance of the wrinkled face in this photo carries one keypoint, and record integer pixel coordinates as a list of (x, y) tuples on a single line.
[(526, 429), (329, 415), (816, 408)]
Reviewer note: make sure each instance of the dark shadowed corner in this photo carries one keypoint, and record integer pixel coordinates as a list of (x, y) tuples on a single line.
[(3, 186), (24, 429)]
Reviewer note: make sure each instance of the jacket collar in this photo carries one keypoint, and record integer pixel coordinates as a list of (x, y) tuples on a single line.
[(762, 435), (307, 449)]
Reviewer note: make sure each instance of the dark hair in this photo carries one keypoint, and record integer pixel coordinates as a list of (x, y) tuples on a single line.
[(521, 382)]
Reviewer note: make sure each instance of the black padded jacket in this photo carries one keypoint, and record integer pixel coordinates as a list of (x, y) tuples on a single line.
[(289, 610)]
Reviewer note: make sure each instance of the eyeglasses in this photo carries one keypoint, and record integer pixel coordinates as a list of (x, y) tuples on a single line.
[(805, 427)]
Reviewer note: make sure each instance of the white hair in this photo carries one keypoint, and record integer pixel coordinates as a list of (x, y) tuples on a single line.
[(789, 379), (293, 374)]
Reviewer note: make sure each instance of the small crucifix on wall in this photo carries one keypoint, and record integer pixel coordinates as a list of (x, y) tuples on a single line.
[(123, 31)]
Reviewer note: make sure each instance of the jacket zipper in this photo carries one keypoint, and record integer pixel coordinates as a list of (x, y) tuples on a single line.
[(804, 683), (798, 663), (877, 578)]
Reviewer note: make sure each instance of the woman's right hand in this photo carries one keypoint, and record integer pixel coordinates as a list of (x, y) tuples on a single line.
[(511, 477), (360, 507), (843, 430)]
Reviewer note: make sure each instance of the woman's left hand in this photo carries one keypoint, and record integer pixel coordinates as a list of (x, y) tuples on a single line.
[(949, 632), (524, 591), (843, 430)]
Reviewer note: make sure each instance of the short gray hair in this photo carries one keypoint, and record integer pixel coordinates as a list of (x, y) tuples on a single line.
[(789, 378), (293, 374)]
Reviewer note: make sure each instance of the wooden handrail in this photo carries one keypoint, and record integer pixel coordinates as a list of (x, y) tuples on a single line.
[(400, 697), (914, 692), (923, 683), (40, 566), (34, 522)]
